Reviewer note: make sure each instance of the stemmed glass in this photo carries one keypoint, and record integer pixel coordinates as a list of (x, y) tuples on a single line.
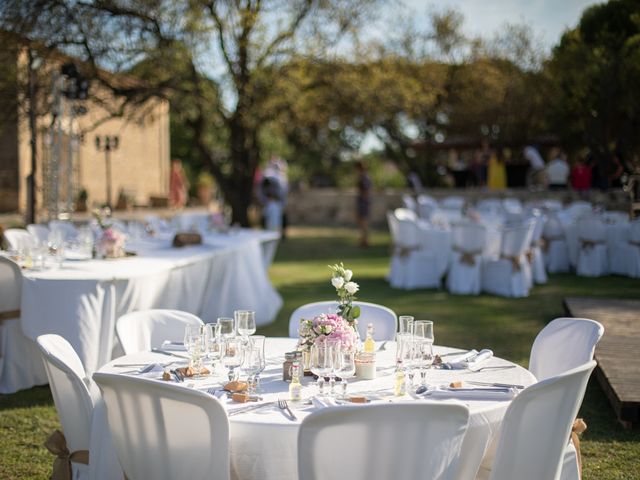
[(195, 343), (226, 327), (424, 347), (253, 362), (245, 323), (232, 356), (406, 355), (214, 344), (56, 246), (334, 345), (321, 361), (405, 324), (346, 367)]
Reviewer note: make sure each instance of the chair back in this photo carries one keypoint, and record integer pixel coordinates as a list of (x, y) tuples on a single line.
[(563, 344), (440, 219), (19, 239), (468, 236), (146, 329), (516, 239), (66, 229), (163, 431), (452, 202), (407, 233), (538, 227), (73, 393), (405, 214), (490, 205), (393, 225), (553, 227), (381, 442), (426, 206), (39, 232), (634, 231), (536, 428), (592, 229), (384, 319), (10, 288), (552, 205), (512, 205), (409, 202), (579, 208)]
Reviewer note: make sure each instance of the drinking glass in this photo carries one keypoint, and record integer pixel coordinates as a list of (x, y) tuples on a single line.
[(424, 329), (346, 367), (226, 327), (405, 323), (406, 355), (321, 361), (195, 343), (253, 361), (232, 356), (56, 246), (424, 357), (245, 322), (214, 344), (334, 345)]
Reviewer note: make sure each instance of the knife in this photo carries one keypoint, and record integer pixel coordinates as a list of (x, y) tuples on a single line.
[(504, 385), (249, 409), (166, 352)]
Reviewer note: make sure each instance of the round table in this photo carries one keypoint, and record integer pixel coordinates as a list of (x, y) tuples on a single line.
[(263, 443)]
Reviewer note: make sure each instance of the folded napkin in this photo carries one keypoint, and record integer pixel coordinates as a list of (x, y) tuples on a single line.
[(486, 394), (322, 402), (153, 370), (469, 360), (173, 346)]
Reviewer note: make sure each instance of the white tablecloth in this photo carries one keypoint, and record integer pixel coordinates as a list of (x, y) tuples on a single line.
[(263, 443), (82, 300)]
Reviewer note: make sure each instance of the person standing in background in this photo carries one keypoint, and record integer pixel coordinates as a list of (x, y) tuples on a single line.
[(363, 203), (581, 175), (536, 178), (557, 170), (178, 185), (497, 171)]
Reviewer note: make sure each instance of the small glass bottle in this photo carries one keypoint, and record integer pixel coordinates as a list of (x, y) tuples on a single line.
[(369, 343), (399, 387), (295, 387)]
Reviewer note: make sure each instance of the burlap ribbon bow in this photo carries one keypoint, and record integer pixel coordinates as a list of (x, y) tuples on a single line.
[(546, 241), (515, 261), (635, 244), (578, 427), (468, 258), (404, 250), (589, 244), (57, 445)]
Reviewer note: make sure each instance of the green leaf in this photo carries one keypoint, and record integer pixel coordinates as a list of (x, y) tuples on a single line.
[(355, 312)]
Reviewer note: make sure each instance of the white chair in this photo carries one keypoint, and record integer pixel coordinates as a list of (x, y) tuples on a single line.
[(536, 259), (556, 253), (491, 206), (468, 241), (625, 254), (512, 205), (384, 319), (382, 442), (19, 239), (452, 202), (536, 427), (426, 206), (146, 329), (74, 395), (66, 229), (552, 205), (165, 432), (39, 232), (20, 361), (592, 248), (579, 209), (409, 202), (405, 214), (510, 275), (562, 345)]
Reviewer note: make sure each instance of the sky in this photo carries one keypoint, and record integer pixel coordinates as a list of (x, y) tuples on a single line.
[(547, 18)]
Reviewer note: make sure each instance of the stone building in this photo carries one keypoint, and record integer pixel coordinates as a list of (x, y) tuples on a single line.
[(68, 159)]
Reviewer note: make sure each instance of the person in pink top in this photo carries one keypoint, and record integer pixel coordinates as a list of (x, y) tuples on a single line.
[(178, 185), (581, 176)]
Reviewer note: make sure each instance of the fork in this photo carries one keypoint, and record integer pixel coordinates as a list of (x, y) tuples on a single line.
[(284, 406)]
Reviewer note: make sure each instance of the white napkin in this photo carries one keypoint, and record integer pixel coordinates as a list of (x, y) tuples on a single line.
[(469, 360), (322, 402), (487, 394), (173, 346), (153, 370)]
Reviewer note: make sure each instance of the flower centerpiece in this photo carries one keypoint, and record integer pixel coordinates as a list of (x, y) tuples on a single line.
[(110, 243), (346, 289)]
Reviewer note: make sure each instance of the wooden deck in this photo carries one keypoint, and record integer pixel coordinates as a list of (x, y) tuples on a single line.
[(618, 353)]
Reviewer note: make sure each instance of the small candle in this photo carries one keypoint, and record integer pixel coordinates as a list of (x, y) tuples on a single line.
[(366, 365)]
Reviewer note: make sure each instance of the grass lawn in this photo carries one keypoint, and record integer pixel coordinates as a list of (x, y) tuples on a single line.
[(300, 274)]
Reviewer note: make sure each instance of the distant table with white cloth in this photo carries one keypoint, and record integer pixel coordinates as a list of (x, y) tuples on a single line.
[(263, 443), (82, 300)]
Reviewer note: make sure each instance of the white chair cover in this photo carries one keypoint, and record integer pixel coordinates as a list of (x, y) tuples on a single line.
[(570, 470), (592, 248), (556, 246), (39, 232), (73, 394), (426, 206), (552, 205), (510, 275), (579, 209), (562, 345), (382, 442), (512, 205), (452, 202), (165, 432), (67, 229), (468, 242), (624, 255), (490, 206), (405, 214), (146, 329), (20, 360), (19, 239), (409, 202), (384, 319), (538, 270), (536, 428)]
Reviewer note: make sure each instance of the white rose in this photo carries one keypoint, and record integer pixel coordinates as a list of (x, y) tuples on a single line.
[(351, 287), (337, 282), (347, 275)]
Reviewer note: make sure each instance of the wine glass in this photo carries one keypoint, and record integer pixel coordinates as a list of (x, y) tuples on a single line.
[(321, 361), (253, 362), (424, 329), (232, 355), (245, 322), (55, 242), (334, 344), (214, 344), (424, 357), (405, 355), (346, 367), (226, 327), (405, 323), (195, 343)]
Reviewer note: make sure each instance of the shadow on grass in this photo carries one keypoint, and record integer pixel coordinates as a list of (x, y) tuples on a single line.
[(33, 397)]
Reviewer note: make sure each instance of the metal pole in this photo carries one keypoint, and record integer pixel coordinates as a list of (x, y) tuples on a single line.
[(31, 209), (107, 150)]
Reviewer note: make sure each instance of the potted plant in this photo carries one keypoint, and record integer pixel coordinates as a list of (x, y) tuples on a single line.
[(204, 188), (81, 200)]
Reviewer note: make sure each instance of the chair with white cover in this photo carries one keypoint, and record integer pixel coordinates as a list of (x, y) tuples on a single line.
[(592, 259), (67, 229), (563, 344), (163, 431), (20, 360), (19, 239), (536, 427), (384, 319), (510, 275), (468, 241), (40, 232), (74, 396), (405, 214), (512, 205), (146, 329), (490, 206), (624, 255), (426, 206), (552, 205), (453, 202), (409, 202), (556, 254), (579, 209), (536, 259), (381, 442)]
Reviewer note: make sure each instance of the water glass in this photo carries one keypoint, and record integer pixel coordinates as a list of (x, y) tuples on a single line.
[(346, 367), (406, 355), (405, 323), (245, 322), (226, 327), (253, 361), (214, 344), (232, 355), (322, 356), (423, 329), (196, 345)]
